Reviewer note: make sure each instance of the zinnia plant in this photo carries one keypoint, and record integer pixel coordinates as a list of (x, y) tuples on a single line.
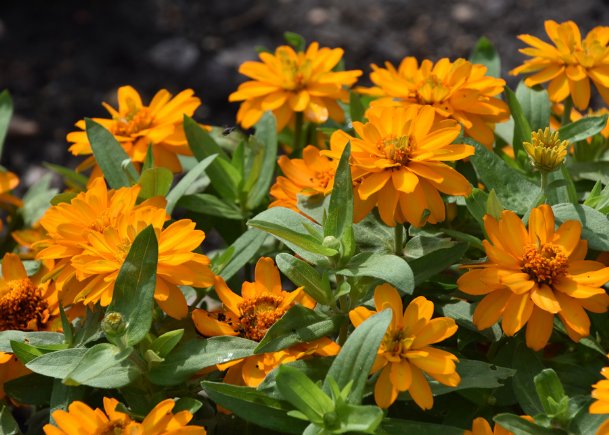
[(427, 255)]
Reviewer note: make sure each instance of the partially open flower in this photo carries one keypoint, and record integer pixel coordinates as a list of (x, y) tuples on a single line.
[(600, 393), (546, 150)]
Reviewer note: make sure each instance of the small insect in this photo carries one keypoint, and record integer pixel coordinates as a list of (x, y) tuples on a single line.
[(228, 130)]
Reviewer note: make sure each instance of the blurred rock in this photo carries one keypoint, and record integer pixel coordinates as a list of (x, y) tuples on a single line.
[(177, 54)]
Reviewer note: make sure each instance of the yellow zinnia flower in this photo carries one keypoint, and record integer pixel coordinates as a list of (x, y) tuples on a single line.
[(136, 126), (546, 150), (80, 419), (250, 315), (570, 63), (458, 90), (600, 392), (311, 175), (92, 235), (532, 275), (288, 82), (405, 353), (397, 159)]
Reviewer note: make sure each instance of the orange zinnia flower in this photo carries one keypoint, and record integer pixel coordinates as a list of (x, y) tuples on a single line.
[(80, 419), (532, 275), (600, 392), (10, 368), (137, 126), (288, 82), (250, 315), (311, 175), (398, 160), (458, 90), (405, 353), (570, 63), (92, 235), (481, 427)]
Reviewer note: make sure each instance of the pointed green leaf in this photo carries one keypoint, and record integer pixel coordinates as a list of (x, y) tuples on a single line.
[(582, 128), (549, 390), (254, 406), (303, 274), (110, 156), (303, 393), (520, 426), (298, 325), (266, 136), (386, 267), (6, 112), (357, 355), (8, 425), (57, 364), (535, 105), (133, 295), (241, 252), (191, 176), (595, 225), (155, 182), (211, 205), (484, 53), (166, 342), (522, 128)]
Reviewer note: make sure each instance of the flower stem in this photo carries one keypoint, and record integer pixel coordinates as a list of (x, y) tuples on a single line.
[(566, 116), (296, 143), (544, 185), (399, 239)]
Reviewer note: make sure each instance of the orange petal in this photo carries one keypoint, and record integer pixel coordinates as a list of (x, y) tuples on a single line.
[(12, 268), (267, 274), (384, 391), (539, 328), (420, 389), (543, 296), (517, 312), (401, 375), (490, 308)]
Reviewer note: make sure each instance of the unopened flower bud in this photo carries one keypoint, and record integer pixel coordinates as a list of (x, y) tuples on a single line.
[(546, 150), (331, 242), (113, 324)]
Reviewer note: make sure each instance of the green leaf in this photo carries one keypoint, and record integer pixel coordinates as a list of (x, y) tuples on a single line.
[(25, 352), (355, 359), (476, 203), (598, 198), (295, 40), (196, 354), (254, 406), (57, 364), (373, 235), (356, 107), (187, 404), (6, 112), (303, 274), (296, 231), (37, 200), (191, 176), (527, 365), (582, 128), (595, 171), (303, 393), (210, 205), (484, 53), (166, 342), (315, 368), (394, 426), (436, 261), (223, 176), (514, 190), (520, 426), (110, 156), (549, 390), (266, 135), (522, 129), (70, 177), (241, 251), (359, 418), (583, 422), (535, 105), (298, 325), (8, 425), (560, 187), (475, 374), (339, 220), (133, 295), (155, 182), (62, 396), (386, 267), (32, 389), (595, 225), (104, 366)]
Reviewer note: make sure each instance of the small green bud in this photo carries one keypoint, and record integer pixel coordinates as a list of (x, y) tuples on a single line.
[(113, 324), (331, 242), (331, 420)]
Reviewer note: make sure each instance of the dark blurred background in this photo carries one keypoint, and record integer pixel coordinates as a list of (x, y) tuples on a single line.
[(61, 59)]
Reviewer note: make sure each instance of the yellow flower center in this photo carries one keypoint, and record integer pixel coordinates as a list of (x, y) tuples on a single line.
[(21, 305), (322, 178), (136, 120), (294, 73), (397, 149), (258, 314), (432, 90), (395, 344), (545, 264)]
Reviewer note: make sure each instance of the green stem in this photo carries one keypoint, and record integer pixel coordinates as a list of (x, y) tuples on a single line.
[(544, 185), (399, 240), (566, 116), (297, 142)]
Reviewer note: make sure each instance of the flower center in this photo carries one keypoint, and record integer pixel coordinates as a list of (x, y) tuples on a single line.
[(432, 90), (258, 314), (136, 120), (396, 149), (545, 265), (323, 178), (22, 306), (295, 73), (396, 343)]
